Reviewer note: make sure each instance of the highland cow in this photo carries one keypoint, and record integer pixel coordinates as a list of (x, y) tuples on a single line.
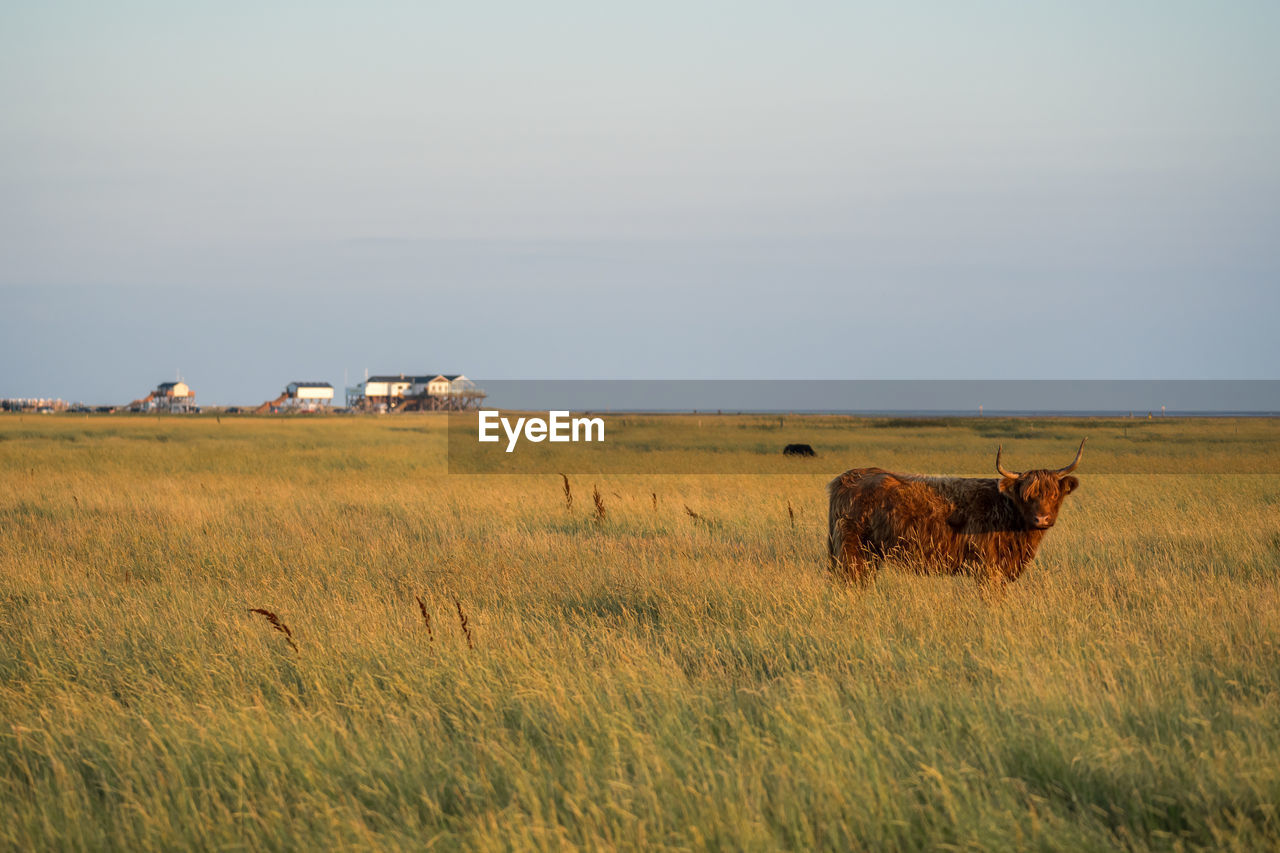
[(990, 528)]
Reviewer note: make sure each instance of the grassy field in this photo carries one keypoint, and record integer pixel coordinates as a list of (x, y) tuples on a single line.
[(651, 680)]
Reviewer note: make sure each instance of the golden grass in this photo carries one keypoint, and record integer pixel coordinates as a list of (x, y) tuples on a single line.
[(634, 680)]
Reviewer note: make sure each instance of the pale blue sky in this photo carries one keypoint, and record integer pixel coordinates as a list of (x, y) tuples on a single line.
[(254, 193)]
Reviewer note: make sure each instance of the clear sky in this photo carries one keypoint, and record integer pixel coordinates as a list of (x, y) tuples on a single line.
[(253, 193)]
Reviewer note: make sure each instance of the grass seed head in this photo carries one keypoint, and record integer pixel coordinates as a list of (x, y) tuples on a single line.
[(277, 625), (568, 494), (466, 626), (426, 618)]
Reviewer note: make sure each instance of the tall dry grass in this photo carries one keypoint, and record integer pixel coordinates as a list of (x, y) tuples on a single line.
[(642, 679)]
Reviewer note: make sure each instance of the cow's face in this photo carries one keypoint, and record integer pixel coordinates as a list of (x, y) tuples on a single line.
[(1038, 495)]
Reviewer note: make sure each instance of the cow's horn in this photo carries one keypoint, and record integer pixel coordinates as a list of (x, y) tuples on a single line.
[(1004, 472), (1062, 472)]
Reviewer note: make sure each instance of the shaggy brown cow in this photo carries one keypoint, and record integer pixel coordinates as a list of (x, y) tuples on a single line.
[(953, 525)]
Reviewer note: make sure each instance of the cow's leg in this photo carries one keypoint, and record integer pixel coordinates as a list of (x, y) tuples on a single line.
[(848, 556), (1013, 572), (992, 586), (994, 580), (857, 569)]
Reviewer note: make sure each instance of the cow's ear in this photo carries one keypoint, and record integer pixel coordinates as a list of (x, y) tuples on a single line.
[(1007, 484), (1068, 485)]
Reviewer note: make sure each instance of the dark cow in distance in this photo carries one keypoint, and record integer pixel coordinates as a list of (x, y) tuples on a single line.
[(952, 525), (798, 450)]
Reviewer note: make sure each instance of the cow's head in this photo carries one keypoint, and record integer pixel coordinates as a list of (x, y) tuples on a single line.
[(1038, 494)]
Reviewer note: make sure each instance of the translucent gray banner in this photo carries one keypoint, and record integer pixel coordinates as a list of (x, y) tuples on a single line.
[(936, 427)]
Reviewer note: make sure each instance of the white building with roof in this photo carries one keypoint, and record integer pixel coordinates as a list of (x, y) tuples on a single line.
[(404, 392)]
